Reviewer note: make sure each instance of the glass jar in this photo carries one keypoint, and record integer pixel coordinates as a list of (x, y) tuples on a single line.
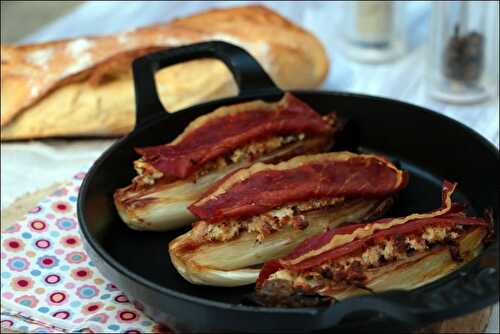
[(373, 31), (463, 51)]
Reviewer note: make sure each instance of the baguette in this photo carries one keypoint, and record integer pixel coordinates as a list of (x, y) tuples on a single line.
[(84, 86)]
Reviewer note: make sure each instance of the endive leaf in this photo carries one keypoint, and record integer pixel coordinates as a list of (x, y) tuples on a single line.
[(163, 207), (228, 263)]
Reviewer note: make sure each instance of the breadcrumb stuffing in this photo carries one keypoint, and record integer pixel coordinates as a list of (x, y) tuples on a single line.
[(267, 223), (147, 174), (349, 269)]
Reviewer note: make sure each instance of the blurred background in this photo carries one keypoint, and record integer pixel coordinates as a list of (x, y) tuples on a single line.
[(440, 55), (19, 18), (391, 49), (350, 29), (396, 49)]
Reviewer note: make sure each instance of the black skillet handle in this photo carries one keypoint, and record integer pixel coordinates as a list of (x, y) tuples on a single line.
[(248, 74), (464, 291)]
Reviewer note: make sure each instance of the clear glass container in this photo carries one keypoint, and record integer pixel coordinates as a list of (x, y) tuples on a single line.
[(463, 51), (373, 31)]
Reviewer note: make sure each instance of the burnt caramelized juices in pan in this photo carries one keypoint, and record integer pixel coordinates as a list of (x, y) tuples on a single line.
[(172, 176), (392, 253), (262, 212)]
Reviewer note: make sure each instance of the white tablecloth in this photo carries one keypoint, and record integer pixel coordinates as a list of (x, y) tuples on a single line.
[(28, 166)]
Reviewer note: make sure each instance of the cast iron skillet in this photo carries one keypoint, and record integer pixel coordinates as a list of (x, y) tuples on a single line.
[(430, 146)]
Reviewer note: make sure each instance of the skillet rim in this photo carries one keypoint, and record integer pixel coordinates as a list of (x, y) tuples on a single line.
[(103, 255)]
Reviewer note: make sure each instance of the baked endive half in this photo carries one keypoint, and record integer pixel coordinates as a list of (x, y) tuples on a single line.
[(264, 211), (393, 253), (174, 175)]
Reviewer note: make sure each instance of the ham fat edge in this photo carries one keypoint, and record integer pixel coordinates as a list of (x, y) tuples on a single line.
[(264, 211), (391, 253), (174, 175)]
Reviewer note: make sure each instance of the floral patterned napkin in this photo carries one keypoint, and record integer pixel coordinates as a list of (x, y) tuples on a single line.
[(48, 282)]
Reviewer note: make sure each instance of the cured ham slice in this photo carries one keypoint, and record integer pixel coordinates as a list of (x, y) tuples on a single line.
[(264, 211), (173, 175), (261, 187), (227, 129), (391, 253)]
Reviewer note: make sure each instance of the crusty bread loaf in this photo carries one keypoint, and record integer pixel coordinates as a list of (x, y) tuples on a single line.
[(83, 87)]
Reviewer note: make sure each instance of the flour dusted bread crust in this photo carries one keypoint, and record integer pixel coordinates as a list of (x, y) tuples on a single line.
[(83, 86)]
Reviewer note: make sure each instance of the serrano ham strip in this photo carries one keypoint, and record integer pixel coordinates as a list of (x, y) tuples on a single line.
[(220, 133), (394, 253), (264, 211), (172, 176), (261, 188)]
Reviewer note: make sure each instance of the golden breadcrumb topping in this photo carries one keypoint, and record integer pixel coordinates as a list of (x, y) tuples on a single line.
[(349, 269), (263, 224), (148, 174)]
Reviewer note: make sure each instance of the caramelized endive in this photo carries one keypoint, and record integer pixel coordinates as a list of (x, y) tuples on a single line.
[(172, 176), (256, 214), (398, 253)]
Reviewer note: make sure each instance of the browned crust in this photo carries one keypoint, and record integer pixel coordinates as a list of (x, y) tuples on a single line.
[(264, 33), (134, 192), (379, 278), (193, 242)]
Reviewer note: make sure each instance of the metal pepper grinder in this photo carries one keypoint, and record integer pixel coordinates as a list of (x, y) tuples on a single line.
[(462, 56)]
